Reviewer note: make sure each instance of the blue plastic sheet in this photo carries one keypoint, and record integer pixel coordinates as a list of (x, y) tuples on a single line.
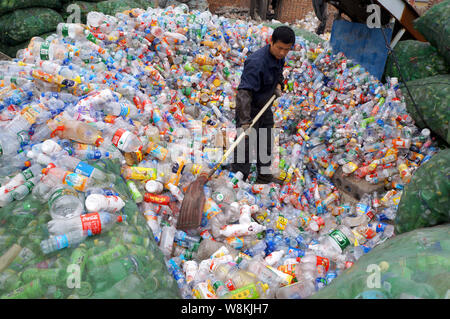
[(361, 44)]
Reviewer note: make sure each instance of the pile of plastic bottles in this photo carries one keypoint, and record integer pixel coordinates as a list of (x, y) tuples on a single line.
[(155, 89)]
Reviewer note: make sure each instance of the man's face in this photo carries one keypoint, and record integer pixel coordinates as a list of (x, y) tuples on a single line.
[(279, 49)]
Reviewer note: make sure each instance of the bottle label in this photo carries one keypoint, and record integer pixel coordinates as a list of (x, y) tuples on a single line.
[(150, 215), (319, 220), (369, 233), (44, 51), (340, 238), (84, 169), (31, 113), (370, 215), (157, 199), (23, 137), (124, 110), (29, 185), (380, 227), (75, 180), (120, 138), (94, 155), (142, 173), (325, 262), (91, 38), (230, 285), (211, 209), (27, 174), (157, 151), (59, 193), (65, 31), (61, 241), (281, 223), (235, 242), (91, 222)]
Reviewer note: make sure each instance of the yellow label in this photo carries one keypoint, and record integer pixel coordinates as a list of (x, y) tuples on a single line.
[(286, 278), (282, 175), (142, 173), (281, 222)]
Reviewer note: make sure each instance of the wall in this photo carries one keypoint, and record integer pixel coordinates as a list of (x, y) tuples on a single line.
[(292, 10), (216, 4)]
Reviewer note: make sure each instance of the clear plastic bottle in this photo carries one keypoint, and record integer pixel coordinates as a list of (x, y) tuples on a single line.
[(334, 243), (23, 190), (71, 30), (298, 290), (99, 202), (126, 141), (64, 203), (77, 166), (59, 242), (94, 222), (166, 242), (77, 131)]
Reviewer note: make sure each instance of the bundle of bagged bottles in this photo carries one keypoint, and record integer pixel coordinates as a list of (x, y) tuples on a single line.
[(155, 90)]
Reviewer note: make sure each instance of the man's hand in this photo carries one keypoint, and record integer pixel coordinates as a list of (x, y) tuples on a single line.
[(278, 91), (245, 127)]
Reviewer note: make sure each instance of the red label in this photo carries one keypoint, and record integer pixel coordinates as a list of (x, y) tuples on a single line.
[(319, 220), (369, 233), (91, 222), (157, 199), (117, 136), (370, 214), (230, 285), (325, 262)]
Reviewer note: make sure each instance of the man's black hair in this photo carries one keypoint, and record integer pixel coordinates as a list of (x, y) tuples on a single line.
[(284, 34)]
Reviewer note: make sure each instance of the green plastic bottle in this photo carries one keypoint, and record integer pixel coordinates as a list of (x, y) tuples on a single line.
[(9, 280), (79, 257), (118, 269), (49, 276), (106, 256), (31, 290)]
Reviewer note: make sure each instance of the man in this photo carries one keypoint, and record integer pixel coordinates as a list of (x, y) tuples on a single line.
[(320, 8), (261, 78)]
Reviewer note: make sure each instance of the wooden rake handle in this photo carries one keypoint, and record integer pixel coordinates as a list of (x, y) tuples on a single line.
[(240, 137)]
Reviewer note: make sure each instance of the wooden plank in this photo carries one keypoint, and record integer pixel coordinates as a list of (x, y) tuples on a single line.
[(405, 14)]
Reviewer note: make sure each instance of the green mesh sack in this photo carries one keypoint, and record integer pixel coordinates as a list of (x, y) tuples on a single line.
[(111, 7), (426, 199), (23, 24), (435, 28), (411, 265), (416, 60), (11, 5), (432, 97), (11, 50), (124, 262), (85, 8)]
